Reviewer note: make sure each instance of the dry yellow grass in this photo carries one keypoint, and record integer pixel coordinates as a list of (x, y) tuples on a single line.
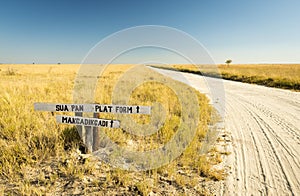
[(39, 156), (273, 75), (285, 76)]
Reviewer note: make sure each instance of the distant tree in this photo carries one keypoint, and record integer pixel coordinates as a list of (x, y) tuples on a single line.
[(58, 63), (228, 62), (33, 63)]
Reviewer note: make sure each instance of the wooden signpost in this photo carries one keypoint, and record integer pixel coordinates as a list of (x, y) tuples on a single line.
[(88, 127)]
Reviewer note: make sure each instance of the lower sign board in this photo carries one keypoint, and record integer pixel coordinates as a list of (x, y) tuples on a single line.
[(97, 108), (94, 122)]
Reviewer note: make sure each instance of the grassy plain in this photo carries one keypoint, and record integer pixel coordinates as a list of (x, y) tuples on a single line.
[(286, 76), (39, 156)]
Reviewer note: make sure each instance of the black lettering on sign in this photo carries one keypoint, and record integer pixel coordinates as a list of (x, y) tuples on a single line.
[(97, 107), (62, 108), (137, 109), (106, 108), (71, 120), (88, 121), (64, 119), (124, 109), (103, 123), (77, 108), (81, 121)]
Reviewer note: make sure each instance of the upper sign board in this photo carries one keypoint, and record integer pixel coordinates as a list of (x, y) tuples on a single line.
[(96, 108)]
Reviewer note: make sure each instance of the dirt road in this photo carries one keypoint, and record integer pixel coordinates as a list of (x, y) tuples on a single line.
[(264, 130)]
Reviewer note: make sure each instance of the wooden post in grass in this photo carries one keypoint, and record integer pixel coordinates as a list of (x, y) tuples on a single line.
[(88, 134)]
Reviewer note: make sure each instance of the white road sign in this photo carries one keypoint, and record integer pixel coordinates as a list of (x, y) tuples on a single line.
[(97, 108), (94, 122)]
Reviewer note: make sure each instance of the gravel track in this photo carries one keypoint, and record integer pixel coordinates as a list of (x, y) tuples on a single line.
[(264, 128)]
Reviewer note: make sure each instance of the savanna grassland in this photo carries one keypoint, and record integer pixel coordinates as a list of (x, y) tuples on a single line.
[(39, 156), (286, 76)]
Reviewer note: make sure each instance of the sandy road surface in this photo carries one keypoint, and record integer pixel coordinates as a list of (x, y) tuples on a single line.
[(264, 128)]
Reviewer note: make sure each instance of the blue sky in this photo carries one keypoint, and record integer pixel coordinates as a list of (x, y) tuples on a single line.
[(246, 31)]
